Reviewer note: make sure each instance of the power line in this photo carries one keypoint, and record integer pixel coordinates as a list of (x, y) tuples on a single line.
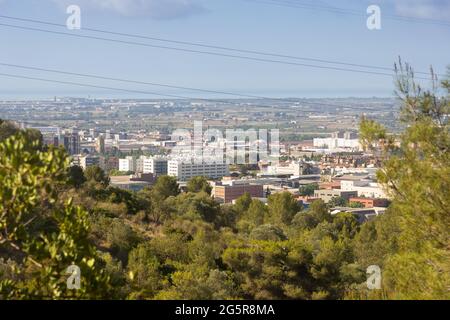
[(293, 4), (204, 45), (271, 54), (150, 83), (111, 88), (140, 82), (240, 95), (203, 52), (160, 94), (390, 16), (296, 4), (312, 4), (94, 86)]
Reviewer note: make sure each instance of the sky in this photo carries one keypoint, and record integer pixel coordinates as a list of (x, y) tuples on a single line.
[(287, 27)]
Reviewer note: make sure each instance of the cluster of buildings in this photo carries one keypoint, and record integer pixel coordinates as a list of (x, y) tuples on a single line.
[(338, 142), (292, 168), (182, 169), (156, 165), (77, 141), (336, 166)]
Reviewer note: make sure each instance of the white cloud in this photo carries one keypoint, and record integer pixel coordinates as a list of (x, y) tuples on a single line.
[(157, 9)]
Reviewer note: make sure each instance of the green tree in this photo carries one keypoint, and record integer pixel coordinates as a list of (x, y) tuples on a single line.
[(7, 129), (97, 175), (304, 220), (338, 202), (416, 174), (144, 273), (309, 189), (197, 206), (196, 282), (243, 203), (299, 268), (377, 239), (42, 234), (198, 184), (260, 268), (256, 213), (76, 176), (165, 187), (356, 204), (268, 232), (121, 238), (283, 207), (116, 172), (319, 210)]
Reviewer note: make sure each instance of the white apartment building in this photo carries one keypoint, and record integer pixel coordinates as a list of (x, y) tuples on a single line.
[(366, 189), (185, 170), (338, 140), (336, 143), (127, 164), (155, 165), (139, 164)]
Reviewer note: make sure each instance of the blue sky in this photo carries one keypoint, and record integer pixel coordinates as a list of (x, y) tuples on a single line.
[(240, 24)]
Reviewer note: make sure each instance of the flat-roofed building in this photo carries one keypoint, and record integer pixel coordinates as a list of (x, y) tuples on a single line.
[(132, 183), (72, 143), (127, 164), (370, 202), (338, 140), (294, 168), (327, 194), (155, 165), (330, 185), (362, 214), (228, 193), (364, 188), (89, 161), (184, 171)]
